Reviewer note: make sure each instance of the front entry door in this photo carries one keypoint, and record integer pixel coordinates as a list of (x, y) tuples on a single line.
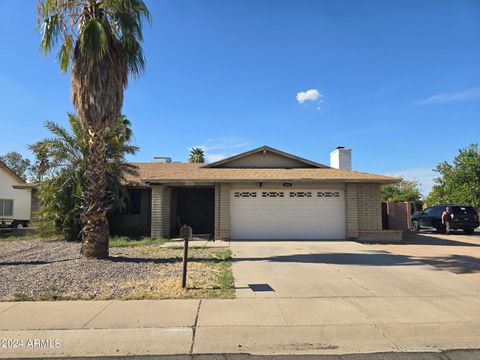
[(195, 207)]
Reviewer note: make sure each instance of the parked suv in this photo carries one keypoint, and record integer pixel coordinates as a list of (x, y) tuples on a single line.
[(464, 217)]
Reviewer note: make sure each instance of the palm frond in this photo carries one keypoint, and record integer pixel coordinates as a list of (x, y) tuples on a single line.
[(65, 53), (93, 40), (91, 24)]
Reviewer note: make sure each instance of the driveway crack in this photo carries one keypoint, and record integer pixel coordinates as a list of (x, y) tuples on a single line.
[(194, 327), (101, 311), (281, 312), (8, 308)]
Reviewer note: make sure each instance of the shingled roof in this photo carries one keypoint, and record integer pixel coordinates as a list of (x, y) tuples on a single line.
[(166, 173)]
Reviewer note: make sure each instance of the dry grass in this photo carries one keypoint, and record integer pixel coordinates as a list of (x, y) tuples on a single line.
[(209, 275), (125, 241), (54, 270)]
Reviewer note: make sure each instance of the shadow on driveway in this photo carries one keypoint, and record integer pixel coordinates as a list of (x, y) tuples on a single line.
[(435, 239), (458, 264)]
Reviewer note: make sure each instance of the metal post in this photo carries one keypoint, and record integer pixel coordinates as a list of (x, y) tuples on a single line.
[(186, 234), (185, 260)]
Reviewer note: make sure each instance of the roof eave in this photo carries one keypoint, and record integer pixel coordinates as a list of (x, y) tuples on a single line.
[(309, 180), (26, 186)]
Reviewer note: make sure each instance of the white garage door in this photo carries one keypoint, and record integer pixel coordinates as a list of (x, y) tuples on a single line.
[(287, 214)]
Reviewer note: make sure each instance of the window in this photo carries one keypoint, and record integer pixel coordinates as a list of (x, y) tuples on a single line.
[(272, 194), (463, 210), (134, 204), (328, 194), (6, 207), (428, 211), (301, 194), (245, 194)]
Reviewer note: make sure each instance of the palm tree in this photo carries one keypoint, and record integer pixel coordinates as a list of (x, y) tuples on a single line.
[(101, 41), (65, 155), (197, 155)]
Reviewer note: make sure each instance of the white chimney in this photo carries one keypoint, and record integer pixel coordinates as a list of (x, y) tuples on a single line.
[(341, 158)]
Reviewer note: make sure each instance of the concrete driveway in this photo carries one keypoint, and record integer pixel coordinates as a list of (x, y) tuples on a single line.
[(338, 297), (457, 253), (312, 269)]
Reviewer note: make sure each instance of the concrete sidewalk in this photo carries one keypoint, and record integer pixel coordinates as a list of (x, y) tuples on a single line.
[(256, 326)]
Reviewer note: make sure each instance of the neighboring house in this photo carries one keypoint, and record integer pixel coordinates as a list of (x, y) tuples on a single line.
[(260, 194), (15, 201)]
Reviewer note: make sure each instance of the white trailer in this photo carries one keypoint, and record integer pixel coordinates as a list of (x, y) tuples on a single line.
[(15, 203)]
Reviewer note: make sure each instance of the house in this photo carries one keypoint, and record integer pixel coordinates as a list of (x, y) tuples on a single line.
[(15, 201), (260, 194)]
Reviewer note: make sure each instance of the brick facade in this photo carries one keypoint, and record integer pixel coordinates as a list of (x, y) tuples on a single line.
[(369, 207), (222, 211), (363, 209), (161, 214), (351, 209)]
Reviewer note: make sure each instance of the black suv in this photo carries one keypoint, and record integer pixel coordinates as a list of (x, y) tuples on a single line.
[(464, 217)]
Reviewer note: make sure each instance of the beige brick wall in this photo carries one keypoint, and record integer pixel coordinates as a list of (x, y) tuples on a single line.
[(161, 196), (363, 209), (369, 207), (351, 208), (222, 211)]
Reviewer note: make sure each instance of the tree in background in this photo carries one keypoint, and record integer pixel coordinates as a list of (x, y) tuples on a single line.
[(101, 40), (197, 155), (405, 190), (17, 163), (40, 166), (65, 157), (458, 182)]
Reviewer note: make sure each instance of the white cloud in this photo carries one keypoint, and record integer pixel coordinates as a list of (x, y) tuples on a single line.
[(424, 175), (309, 95), (221, 147), (221, 144), (465, 95), (210, 158)]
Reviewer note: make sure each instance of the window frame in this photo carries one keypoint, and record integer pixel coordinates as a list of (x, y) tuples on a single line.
[(2, 207)]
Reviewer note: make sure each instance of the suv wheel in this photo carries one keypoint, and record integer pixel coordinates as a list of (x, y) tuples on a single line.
[(19, 225), (415, 225), (468, 231)]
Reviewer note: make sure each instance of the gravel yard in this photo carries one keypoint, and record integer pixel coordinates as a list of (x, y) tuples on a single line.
[(54, 270)]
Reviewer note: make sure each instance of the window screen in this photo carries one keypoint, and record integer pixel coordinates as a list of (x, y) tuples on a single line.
[(6, 207)]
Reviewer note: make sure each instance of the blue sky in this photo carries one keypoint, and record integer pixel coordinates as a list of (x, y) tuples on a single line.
[(397, 81)]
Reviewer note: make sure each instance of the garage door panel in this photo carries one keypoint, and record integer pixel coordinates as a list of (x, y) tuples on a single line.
[(288, 217)]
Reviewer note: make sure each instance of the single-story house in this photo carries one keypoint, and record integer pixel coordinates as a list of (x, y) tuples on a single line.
[(261, 194), (15, 201)]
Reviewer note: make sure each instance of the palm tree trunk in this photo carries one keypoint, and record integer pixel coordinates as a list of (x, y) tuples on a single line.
[(95, 228)]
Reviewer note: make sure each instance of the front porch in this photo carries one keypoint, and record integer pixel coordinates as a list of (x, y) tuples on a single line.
[(204, 207)]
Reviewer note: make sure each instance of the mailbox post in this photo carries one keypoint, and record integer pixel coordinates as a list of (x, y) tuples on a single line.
[(186, 234)]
